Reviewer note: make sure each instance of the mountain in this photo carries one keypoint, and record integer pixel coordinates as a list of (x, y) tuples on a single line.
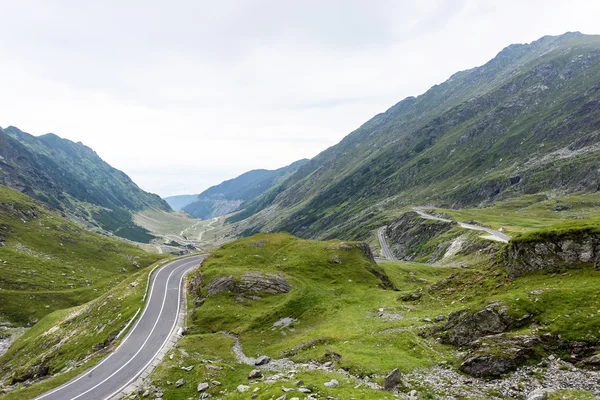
[(229, 195), (180, 201), (49, 263), (72, 178), (528, 121)]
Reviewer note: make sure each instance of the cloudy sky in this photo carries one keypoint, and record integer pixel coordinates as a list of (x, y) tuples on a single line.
[(183, 94)]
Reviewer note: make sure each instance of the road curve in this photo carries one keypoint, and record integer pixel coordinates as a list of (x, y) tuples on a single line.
[(385, 250), (492, 234), (139, 348)]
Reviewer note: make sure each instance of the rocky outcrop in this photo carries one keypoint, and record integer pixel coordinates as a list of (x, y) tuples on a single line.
[(256, 282), (552, 252), (363, 247), (464, 327), (496, 355), (409, 233)]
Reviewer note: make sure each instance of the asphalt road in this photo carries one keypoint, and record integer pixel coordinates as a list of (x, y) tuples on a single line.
[(385, 250), (492, 234), (140, 346)]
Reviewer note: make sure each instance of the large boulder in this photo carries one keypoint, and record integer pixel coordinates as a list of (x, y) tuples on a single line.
[(250, 282), (493, 356), (464, 327)]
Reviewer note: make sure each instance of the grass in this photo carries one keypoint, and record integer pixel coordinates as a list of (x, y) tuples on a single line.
[(531, 212), (342, 314), (69, 341), (49, 263)]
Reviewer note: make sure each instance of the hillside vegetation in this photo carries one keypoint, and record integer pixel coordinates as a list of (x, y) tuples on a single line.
[(325, 310), (526, 122), (72, 178), (48, 263), (66, 342)]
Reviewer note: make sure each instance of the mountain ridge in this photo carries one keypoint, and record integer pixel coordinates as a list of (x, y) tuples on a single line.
[(469, 129), (72, 178), (229, 195)]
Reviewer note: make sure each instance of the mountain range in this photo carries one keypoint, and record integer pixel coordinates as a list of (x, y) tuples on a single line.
[(527, 121), (73, 179), (229, 195)]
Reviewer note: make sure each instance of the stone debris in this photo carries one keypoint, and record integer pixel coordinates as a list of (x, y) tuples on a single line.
[(202, 386)]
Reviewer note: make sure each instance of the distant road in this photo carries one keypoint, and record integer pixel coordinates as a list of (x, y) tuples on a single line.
[(385, 250), (141, 346), (492, 234)]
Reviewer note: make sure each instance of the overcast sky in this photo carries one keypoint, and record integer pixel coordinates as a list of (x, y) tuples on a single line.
[(184, 94)]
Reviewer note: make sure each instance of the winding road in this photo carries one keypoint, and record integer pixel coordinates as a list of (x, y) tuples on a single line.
[(492, 234), (143, 343), (385, 250)]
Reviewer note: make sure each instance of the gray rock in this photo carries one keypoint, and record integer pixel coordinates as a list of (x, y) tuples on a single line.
[(242, 388), (304, 390), (250, 282), (299, 383), (392, 379), (284, 397), (332, 383), (180, 383), (188, 369), (202, 386), (593, 360), (440, 318), (537, 394), (262, 360), (328, 364), (287, 390), (205, 396), (485, 360), (255, 374)]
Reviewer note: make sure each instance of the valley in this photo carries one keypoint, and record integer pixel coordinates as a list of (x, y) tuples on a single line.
[(448, 248)]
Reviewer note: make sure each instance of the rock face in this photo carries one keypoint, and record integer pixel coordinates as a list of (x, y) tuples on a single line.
[(410, 230), (465, 327), (363, 247), (552, 252), (496, 355), (250, 282)]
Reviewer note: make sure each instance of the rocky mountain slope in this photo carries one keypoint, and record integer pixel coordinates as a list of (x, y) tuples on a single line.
[(228, 196), (72, 178), (528, 121)]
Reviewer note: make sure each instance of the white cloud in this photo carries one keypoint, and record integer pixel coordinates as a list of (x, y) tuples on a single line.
[(184, 94)]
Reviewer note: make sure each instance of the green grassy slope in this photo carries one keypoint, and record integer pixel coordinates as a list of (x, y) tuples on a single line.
[(526, 122), (48, 263), (340, 313)]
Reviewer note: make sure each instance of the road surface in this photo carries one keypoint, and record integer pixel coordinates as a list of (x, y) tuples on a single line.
[(140, 346), (385, 250), (492, 234)]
